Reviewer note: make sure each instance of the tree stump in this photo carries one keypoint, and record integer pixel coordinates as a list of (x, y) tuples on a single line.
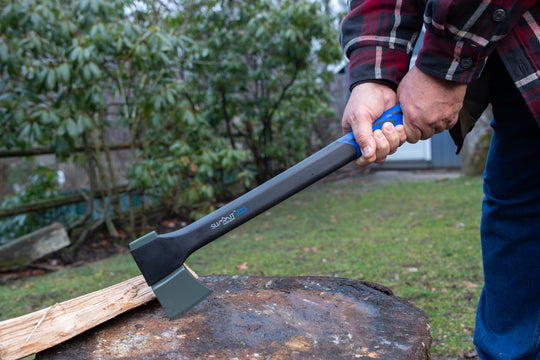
[(265, 318)]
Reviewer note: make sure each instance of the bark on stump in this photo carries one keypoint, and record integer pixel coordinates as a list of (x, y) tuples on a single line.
[(265, 318)]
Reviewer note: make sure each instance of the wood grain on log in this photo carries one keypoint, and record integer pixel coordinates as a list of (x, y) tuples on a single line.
[(31, 333)]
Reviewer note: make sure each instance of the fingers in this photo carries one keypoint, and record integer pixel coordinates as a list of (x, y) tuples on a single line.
[(387, 141), (422, 125), (377, 145), (357, 119), (363, 134), (367, 102)]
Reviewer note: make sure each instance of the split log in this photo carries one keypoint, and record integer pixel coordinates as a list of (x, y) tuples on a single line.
[(32, 333), (40, 330), (34, 246)]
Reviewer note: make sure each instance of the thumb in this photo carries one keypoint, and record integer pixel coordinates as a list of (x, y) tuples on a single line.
[(366, 103), (363, 134)]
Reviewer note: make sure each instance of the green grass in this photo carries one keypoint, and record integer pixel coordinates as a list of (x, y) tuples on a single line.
[(419, 239)]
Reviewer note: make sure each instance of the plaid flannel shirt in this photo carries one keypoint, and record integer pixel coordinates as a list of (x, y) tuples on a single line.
[(378, 37)]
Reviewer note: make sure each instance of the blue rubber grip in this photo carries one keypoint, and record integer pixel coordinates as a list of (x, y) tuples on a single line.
[(393, 115)]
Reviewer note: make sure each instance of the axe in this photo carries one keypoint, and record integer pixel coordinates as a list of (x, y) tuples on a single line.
[(160, 258)]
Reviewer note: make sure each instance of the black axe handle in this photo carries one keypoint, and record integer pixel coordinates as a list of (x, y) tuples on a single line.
[(167, 252)]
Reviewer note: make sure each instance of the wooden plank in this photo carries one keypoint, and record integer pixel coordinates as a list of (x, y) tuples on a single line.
[(44, 204), (7, 153), (37, 331), (34, 246), (40, 330)]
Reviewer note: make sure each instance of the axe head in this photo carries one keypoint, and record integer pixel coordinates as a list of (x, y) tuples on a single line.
[(180, 290)]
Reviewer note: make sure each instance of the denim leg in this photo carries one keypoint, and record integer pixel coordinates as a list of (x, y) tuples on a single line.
[(508, 318)]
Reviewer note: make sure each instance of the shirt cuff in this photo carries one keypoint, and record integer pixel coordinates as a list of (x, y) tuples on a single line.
[(388, 83)]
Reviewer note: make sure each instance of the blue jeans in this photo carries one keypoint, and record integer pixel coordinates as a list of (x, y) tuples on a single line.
[(508, 318)]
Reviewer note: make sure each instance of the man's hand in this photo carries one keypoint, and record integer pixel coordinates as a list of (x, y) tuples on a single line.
[(430, 104), (367, 103)]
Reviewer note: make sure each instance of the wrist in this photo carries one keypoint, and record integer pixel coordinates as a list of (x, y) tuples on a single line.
[(375, 90)]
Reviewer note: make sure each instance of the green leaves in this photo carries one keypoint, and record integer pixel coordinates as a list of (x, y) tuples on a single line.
[(79, 55), (90, 71), (74, 128), (63, 73), (225, 94), (41, 184), (255, 80), (50, 79), (4, 52)]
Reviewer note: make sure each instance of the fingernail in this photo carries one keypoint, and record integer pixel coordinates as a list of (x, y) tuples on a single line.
[(367, 150)]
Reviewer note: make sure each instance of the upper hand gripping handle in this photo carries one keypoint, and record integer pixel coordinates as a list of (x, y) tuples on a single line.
[(158, 256)]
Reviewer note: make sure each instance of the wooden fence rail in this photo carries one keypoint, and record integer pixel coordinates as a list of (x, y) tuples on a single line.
[(54, 202), (9, 153)]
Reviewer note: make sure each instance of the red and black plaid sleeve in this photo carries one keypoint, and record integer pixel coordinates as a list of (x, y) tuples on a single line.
[(460, 35), (378, 37)]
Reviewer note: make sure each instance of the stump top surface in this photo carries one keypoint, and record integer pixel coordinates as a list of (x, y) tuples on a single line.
[(265, 318)]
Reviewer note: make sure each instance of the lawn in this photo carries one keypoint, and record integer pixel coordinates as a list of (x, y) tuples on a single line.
[(420, 239)]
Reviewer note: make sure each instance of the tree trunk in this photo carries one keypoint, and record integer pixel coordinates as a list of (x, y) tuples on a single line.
[(476, 146)]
